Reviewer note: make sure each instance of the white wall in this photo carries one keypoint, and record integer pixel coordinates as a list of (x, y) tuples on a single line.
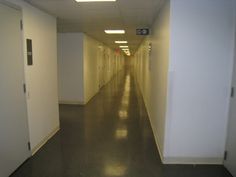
[(186, 80), (201, 60), (41, 78), (70, 68), (85, 65), (152, 73)]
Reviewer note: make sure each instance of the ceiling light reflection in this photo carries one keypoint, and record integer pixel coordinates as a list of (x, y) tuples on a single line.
[(115, 169), (123, 114), (125, 102), (121, 133)]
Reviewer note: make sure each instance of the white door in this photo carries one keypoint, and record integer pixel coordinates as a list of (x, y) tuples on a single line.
[(100, 67), (13, 114), (230, 162)]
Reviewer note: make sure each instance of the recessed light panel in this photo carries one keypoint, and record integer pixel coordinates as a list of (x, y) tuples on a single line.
[(121, 42), (124, 46), (95, 0), (115, 31)]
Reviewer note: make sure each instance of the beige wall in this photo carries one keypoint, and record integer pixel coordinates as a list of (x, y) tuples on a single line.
[(91, 86), (85, 65), (100, 65), (152, 73), (185, 79)]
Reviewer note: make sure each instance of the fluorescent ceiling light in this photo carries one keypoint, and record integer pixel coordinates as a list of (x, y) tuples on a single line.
[(94, 0), (121, 42), (115, 31), (124, 46)]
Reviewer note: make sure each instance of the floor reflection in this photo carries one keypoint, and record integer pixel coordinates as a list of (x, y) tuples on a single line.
[(123, 114), (115, 169), (109, 137), (121, 133)]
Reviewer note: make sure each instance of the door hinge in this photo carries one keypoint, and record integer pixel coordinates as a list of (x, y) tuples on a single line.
[(24, 88), (21, 24), (232, 92), (29, 146), (225, 155)]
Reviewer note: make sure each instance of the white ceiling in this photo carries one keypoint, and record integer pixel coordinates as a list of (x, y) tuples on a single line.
[(94, 17)]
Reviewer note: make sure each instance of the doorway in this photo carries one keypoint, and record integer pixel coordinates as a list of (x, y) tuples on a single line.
[(14, 134)]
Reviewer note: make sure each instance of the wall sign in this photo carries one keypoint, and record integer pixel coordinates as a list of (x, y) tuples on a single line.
[(29, 52)]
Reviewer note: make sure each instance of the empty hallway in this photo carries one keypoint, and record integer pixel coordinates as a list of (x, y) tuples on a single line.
[(117, 88), (109, 137)]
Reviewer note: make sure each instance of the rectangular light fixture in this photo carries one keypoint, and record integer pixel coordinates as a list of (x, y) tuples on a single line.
[(124, 46), (121, 42), (115, 31), (95, 0)]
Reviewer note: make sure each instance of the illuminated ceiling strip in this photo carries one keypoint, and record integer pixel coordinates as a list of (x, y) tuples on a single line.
[(115, 31), (121, 42), (95, 0)]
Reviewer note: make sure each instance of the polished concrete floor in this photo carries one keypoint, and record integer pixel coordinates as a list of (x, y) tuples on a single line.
[(109, 137)]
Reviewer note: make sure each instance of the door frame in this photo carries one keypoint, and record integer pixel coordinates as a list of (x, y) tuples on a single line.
[(233, 91)]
